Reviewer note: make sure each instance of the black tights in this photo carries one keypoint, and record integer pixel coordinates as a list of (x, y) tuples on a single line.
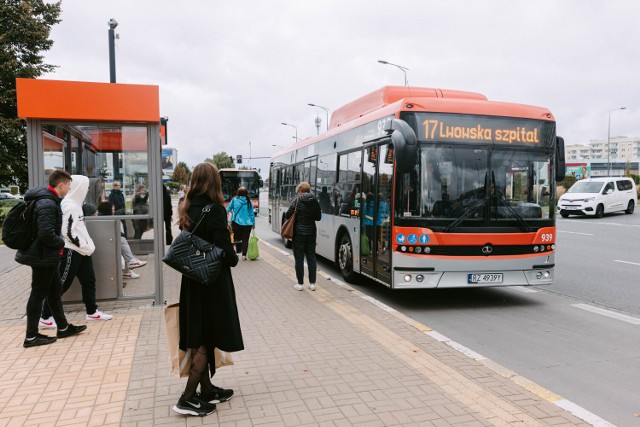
[(198, 373)]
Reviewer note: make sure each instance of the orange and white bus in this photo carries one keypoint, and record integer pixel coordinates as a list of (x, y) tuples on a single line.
[(431, 188), (232, 179)]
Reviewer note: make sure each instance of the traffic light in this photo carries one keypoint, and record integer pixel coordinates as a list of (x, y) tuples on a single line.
[(239, 158), (231, 159)]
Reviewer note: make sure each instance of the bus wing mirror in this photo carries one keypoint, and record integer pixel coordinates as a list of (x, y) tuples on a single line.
[(561, 167), (404, 144), (261, 183)]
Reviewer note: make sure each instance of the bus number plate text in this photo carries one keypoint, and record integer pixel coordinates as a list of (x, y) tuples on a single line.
[(480, 278)]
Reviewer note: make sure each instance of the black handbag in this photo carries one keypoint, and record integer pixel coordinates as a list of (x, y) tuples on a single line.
[(195, 257)]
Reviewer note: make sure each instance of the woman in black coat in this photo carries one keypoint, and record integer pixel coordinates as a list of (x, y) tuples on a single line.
[(208, 314), (304, 236)]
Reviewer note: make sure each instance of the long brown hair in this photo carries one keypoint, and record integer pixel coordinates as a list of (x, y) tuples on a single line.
[(205, 181)]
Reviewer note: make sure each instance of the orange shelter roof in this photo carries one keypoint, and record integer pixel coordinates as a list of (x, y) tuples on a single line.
[(87, 101)]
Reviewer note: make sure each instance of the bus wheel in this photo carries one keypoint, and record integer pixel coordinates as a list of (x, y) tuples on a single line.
[(345, 258)]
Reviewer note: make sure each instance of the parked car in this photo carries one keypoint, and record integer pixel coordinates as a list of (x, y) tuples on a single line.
[(597, 196), (6, 196)]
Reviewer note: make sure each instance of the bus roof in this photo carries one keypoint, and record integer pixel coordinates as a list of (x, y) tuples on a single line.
[(388, 95), (393, 99)]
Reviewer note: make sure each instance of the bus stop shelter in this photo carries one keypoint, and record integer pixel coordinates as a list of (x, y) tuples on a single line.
[(110, 133)]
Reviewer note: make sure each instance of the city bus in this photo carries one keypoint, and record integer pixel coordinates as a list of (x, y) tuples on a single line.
[(232, 179), (430, 188)]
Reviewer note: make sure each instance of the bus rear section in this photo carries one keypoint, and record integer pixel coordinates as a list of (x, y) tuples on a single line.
[(232, 179)]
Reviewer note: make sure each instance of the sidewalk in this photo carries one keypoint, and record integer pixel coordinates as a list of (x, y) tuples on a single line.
[(326, 358)]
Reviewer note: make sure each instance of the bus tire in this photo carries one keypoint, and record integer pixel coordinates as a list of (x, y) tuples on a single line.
[(345, 258)]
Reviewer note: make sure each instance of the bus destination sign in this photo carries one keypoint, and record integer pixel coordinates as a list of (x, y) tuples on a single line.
[(461, 128)]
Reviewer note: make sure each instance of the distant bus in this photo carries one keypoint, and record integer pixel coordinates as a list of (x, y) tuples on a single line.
[(430, 188), (232, 179)]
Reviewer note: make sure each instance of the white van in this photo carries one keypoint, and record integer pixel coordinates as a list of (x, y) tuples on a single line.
[(597, 196)]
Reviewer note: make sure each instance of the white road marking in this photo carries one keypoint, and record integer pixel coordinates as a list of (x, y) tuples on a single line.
[(526, 289), (575, 232), (627, 262), (608, 313)]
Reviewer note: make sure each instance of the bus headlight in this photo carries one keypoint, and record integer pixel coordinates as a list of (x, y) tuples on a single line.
[(427, 250), (419, 278), (418, 249), (403, 248), (543, 274), (407, 277)]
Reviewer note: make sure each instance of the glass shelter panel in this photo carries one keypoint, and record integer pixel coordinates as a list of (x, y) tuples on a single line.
[(116, 161)]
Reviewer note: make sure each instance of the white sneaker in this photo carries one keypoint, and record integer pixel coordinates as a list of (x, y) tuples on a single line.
[(130, 275), (137, 263), (98, 315), (49, 323), (312, 286), (297, 287)]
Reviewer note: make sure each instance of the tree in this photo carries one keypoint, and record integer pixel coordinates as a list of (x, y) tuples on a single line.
[(25, 27), (221, 160), (181, 173)]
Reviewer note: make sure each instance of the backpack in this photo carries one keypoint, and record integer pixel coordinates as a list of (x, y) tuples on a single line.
[(18, 228)]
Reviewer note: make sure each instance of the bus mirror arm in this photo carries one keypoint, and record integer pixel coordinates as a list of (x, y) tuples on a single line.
[(404, 143)]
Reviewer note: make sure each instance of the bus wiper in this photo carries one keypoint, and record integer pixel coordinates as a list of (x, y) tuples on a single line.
[(523, 224), (465, 214)]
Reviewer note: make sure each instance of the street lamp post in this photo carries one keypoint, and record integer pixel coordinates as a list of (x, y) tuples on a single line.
[(249, 154), (293, 126), (609, 139), (112, 50), (404, 69), (326, 110)]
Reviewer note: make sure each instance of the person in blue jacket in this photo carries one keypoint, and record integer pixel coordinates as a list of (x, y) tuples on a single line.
[(243, 220)]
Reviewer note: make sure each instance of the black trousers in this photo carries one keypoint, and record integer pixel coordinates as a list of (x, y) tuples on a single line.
[(45, 285), (304, 245), (140, 226), (241, 234), (74, 265)]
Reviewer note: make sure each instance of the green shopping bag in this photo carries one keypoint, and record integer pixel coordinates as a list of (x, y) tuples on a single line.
[(253, 252)]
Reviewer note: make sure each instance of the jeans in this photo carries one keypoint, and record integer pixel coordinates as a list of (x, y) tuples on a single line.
[(45, 285), (304, 245), (74, 265)]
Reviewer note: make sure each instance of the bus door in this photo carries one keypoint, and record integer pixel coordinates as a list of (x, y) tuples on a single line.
[(375, 213), (310, 171)]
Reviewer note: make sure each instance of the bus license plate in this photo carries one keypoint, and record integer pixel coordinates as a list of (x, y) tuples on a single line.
[(480, 278)]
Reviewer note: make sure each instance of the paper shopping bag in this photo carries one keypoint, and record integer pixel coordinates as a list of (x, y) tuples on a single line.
[(180, 359)]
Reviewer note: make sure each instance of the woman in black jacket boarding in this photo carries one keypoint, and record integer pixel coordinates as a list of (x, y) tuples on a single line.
[(304, 236), (208, 314)]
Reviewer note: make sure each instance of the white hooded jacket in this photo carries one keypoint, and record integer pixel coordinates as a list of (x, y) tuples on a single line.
[(74, 230)]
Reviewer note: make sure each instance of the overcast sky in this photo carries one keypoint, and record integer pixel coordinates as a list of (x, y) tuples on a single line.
[(230, 72)]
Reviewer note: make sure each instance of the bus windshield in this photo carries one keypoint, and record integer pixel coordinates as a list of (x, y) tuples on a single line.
[(478, 183), (232, 180)]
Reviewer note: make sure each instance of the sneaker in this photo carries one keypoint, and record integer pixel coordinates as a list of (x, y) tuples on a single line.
[(130, 275), (71, 330), (98, 315), (297, 287), (244, 258), (40, 339), (312, 286), (49, 323), (194, 406), (137, 263), (217, 395)]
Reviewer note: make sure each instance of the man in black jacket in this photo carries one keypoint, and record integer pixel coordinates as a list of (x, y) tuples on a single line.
[(44, 256)]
